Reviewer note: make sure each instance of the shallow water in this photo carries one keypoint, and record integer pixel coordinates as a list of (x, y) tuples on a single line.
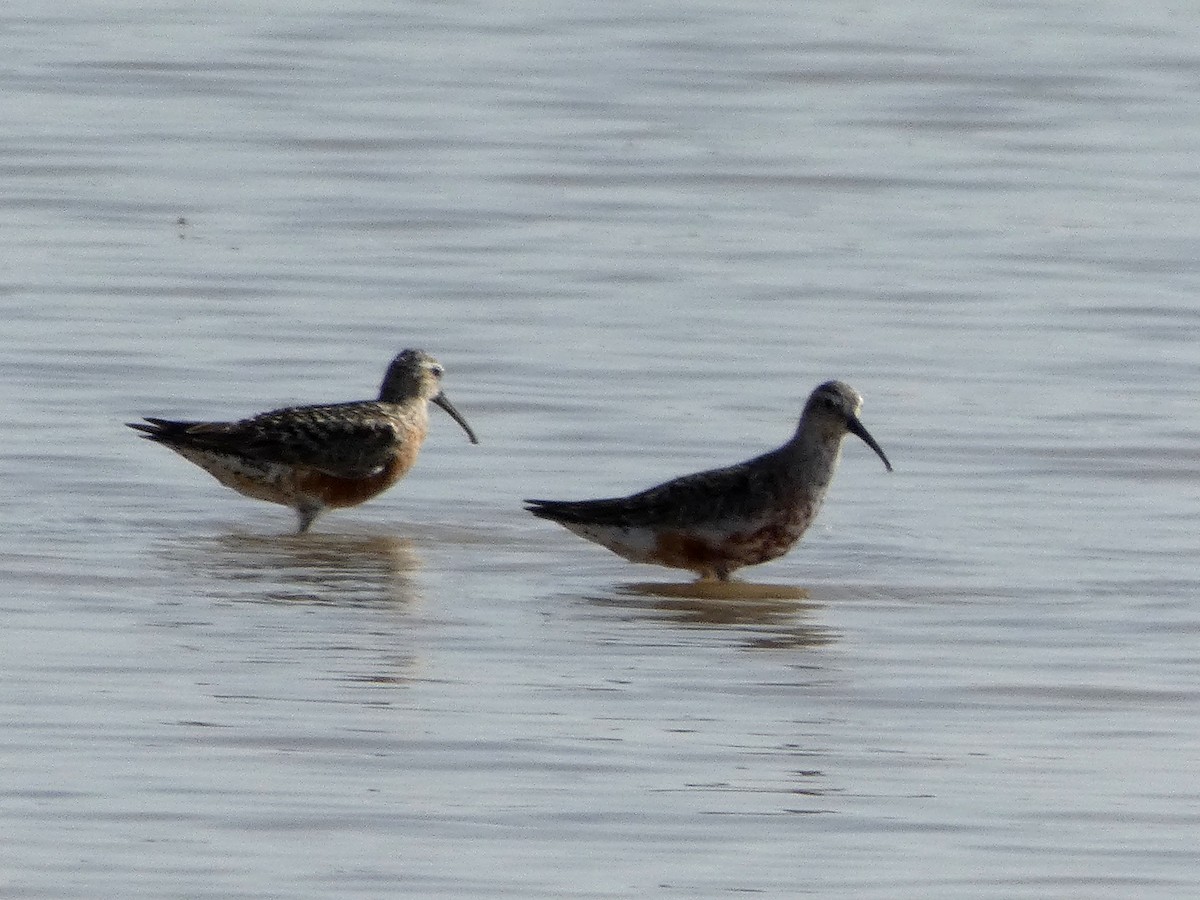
[(636, 238)]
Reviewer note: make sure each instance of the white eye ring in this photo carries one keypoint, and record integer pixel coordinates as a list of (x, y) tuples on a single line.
[(437, 371)]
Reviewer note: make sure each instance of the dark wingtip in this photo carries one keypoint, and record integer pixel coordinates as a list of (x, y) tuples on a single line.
[(153, 429), (541, 508), (147, 430)]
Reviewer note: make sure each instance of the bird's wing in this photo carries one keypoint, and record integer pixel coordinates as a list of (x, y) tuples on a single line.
[(341, 440), (716, 494)]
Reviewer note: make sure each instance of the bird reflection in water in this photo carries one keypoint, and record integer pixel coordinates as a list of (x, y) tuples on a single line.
[(772, 616), (336, 569), (366, 572)]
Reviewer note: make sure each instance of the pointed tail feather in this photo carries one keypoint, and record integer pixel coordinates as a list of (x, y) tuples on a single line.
[(546, 509), (161, 430), (580, 511)]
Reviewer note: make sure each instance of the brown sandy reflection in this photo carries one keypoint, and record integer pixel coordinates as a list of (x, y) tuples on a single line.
[(312, 568), (772, 615), (717, 590)]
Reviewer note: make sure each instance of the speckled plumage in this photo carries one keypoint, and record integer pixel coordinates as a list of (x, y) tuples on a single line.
[(314, 457), (720, 520)]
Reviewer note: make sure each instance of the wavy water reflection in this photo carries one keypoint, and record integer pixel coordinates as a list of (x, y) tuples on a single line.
[(768, 616), (332, 569)]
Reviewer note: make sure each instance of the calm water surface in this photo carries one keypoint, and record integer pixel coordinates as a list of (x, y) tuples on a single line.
[(637, 236)]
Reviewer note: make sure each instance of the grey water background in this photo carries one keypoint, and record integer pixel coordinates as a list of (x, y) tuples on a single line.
[(636, 235)]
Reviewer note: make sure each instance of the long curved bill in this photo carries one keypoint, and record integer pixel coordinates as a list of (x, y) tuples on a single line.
[(855, 427), (445, 404)]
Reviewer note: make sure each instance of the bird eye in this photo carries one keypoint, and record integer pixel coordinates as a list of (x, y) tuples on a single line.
[(437, 371)]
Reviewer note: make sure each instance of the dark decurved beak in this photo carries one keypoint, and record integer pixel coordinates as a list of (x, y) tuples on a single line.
[(445, 404), (855, 427)]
